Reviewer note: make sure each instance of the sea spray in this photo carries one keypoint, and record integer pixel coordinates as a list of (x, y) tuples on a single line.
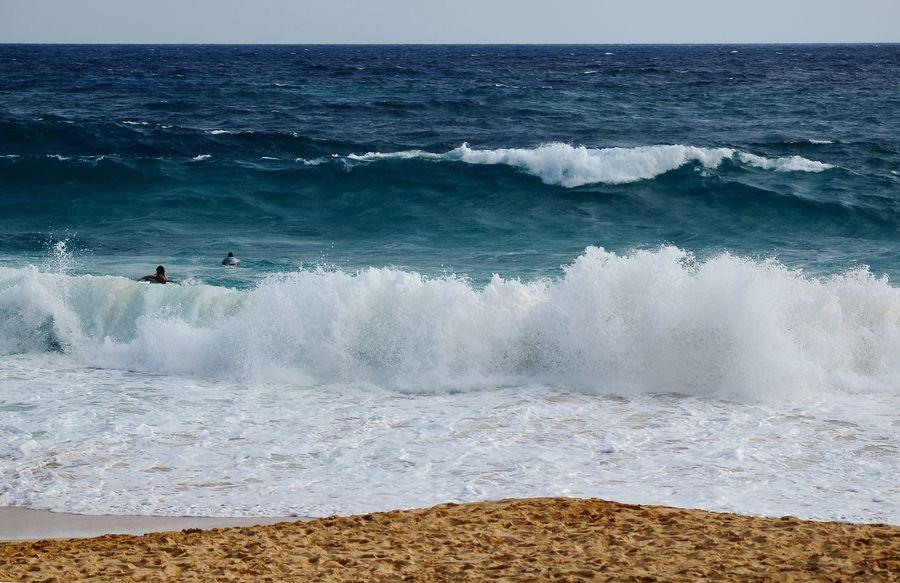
[(649, 321)]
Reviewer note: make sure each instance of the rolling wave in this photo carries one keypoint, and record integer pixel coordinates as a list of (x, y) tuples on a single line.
[(554, 163), (571, 166)]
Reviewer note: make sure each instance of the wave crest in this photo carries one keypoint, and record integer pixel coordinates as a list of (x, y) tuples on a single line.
[(785, 164), (571, 166)]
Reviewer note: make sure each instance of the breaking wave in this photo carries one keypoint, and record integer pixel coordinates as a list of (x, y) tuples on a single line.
[(650, 321), (571, 166), (555, 163)]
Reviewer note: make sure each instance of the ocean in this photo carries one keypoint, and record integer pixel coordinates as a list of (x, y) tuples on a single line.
[(652, 274)]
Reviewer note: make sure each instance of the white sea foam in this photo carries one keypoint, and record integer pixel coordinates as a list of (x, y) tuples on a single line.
[(201, 157), (571, 166), (312, 161), (648, 322), (786, 164), (401, 155), (117, 442), (121, 397), (814, 141), (575, 166)]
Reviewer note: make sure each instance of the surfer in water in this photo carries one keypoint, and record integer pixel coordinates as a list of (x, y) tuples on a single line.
[(231, 260), (158, 277)]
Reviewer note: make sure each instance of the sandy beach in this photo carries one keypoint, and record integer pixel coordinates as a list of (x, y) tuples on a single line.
[(556, 539)]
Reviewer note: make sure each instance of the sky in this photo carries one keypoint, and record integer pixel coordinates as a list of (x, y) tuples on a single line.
[(448, 21)]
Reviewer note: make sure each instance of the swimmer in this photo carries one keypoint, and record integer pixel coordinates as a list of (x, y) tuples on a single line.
[(231, 260), (158, 277)]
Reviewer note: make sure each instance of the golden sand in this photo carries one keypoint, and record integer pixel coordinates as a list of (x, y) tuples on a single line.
[(544, 539)]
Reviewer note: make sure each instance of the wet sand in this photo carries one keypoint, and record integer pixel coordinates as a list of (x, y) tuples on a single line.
[(28, 524), (544, 539)]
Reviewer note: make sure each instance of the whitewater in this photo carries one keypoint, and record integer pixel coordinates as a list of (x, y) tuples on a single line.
[(571, 166), (654, 377), (651, 321)]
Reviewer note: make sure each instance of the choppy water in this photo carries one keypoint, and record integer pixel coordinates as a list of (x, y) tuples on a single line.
[(654, 274)]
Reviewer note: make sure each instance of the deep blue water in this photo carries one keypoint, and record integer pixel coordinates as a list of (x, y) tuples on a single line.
[(139, 155)]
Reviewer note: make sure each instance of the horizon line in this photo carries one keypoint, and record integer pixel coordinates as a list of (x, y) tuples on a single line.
[(422, 44)]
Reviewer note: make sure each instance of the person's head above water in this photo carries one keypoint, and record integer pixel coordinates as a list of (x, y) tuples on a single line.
[(231, 253), (231, 260), (158, 277)]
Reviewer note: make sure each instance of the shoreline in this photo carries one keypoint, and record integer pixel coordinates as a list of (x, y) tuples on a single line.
[(568, 539), (26, 524)]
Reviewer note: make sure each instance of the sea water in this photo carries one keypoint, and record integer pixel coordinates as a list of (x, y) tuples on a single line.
[(650, 274)]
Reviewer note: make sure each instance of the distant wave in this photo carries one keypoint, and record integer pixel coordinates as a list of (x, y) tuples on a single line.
[(559, 164), (651, 321), (571, 166)]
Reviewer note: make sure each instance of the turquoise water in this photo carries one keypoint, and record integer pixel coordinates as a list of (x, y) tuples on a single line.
[(145, 155)]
